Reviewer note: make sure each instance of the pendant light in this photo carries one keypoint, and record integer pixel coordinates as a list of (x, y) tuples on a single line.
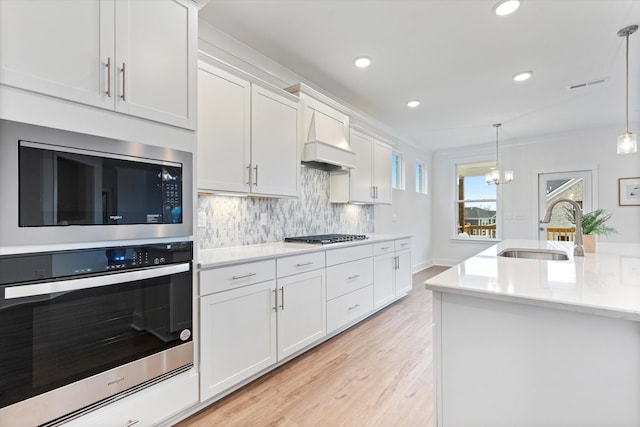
[(627, 142), (493, 177)]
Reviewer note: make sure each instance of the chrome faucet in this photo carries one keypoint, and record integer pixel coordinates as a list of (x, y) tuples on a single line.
[(578, 250)]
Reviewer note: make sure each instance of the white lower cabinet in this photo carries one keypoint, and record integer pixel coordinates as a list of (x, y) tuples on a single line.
[(256, 314), (349, 285), (238, 331), (349, 307), (301, 311), (391, 271), (246, 329), (146, 407)]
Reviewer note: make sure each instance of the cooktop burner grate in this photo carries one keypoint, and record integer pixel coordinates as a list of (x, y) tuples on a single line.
[(323, 239)]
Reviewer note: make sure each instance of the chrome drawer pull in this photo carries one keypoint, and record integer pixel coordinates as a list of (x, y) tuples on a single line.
[(385, 248), (124, 82), (353, 307), (131, 422), (108, 65), (242, 276), (304, 264), (404, 244), (353, 277)]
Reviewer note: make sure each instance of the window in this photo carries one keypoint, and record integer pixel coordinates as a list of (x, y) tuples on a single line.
[(476, 202), (421, 178), (397, 171)]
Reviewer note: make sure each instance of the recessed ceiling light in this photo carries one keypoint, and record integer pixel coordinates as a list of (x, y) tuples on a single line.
[(521, 77), (413, 104), (362, 62), (506, 7)]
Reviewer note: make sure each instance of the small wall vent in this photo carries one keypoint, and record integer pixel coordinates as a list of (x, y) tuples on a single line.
[(589, 83)]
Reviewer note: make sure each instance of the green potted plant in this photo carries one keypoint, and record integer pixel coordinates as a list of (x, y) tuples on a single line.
[(593, 224)]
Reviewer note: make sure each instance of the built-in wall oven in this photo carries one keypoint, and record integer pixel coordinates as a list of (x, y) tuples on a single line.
[(80, 326), (96, 280), (60, 187)]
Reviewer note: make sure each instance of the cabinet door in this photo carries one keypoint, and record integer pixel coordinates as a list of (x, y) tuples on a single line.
[(382, 171), (59, 48), (383, 278), (404, 281), (156, 48), (360, 188), (224, 114), (274, 143), (237, 336), (301, 311)]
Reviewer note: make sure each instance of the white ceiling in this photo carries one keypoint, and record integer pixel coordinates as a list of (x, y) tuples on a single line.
[(456, 57)]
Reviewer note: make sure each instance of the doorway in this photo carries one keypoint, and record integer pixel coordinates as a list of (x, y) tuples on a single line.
[(577, 186)]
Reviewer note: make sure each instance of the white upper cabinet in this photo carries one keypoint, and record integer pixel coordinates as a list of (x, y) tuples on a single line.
[(134, 57), (381, 174), (224, 130), (156, 60), (274, 143), (247, 136), (370, 180)]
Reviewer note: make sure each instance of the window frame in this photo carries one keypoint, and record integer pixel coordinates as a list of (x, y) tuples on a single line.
[(400, 171), (454, 206), (421, 185)]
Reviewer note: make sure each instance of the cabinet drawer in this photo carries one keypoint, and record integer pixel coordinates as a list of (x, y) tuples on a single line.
[(349, 307), (299, 263), (345, 278), (383, 247), (339, 256), (401, 244), (235, 276)]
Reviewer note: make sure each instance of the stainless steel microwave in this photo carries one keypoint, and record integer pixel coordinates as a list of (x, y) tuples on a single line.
[(60, 187)]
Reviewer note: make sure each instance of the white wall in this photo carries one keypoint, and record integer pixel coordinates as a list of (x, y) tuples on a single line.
[(410, 212), (517, 213)]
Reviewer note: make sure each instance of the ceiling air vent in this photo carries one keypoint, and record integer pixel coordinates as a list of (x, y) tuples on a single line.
[(589, 83)]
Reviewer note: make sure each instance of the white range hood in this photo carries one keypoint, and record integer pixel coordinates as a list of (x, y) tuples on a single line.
[(326, 144)]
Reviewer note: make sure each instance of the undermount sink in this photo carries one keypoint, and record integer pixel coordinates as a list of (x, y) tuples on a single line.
[(541, 254)]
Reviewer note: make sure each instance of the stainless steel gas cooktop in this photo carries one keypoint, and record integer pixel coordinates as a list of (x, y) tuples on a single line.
[(323, 239)]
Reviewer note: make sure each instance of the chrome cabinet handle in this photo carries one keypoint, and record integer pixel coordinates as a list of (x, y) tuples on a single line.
[(275, 295), (108, 65), (304, 264), (353, 307), (92, 282), (249, 173), (404, 244), (131, 422), (255, 168), (355, 276), (282, 298), (124, 82), (242, 276), (375, 191), (384, 248)]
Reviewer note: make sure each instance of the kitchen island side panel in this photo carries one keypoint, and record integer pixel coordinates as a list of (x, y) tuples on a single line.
[(502, 363)]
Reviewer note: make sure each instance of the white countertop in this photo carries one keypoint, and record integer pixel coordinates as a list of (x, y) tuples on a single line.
[(210, 258), (605, 283)]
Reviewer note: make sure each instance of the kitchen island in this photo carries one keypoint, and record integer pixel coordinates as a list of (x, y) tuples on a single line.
[(526, 342)]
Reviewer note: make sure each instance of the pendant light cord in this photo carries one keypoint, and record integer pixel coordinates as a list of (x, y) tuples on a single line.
[(627, 77)]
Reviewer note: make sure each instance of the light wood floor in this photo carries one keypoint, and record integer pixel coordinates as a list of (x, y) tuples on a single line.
[(378, 373)]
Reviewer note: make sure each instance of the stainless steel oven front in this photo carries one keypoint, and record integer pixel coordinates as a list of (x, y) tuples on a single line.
[(66, 188), (81, 326)]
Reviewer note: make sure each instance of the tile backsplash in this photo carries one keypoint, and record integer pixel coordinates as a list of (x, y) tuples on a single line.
[(235, 221)]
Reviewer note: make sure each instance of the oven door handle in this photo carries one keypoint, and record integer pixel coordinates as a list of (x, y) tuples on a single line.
[(92, 282)]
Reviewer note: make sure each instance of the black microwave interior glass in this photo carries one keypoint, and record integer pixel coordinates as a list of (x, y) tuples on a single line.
[(60, 188)]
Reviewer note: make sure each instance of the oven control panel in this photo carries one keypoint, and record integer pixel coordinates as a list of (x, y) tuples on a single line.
[(62, 264)]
